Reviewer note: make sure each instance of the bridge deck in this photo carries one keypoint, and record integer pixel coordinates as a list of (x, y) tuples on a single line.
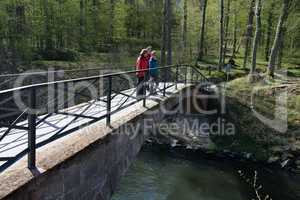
[(57, 125)]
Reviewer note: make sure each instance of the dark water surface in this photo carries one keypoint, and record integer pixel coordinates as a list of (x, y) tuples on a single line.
[(161, 175)]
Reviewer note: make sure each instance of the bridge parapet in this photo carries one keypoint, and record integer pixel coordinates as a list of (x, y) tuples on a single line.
[(35, 115), (88, 163)]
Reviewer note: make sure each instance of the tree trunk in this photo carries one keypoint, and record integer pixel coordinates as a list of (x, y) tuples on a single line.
[(48, 33), (227, 20), (111, 20), (234, 32), (269, 31), (292, 44), (203, 6), (20, 34), (95, 20), (184, 31), (169, 32), (81, 26), (249, 32), (276, 44), (221, 45), (164, 35), (281, 49), (60, 34), (182, 48), (256, 39), (20, 19)]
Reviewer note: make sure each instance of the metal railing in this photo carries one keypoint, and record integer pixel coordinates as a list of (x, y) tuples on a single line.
[(29, 108), (7, 81)]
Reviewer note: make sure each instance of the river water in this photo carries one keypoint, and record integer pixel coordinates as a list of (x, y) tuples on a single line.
[(168, 175)]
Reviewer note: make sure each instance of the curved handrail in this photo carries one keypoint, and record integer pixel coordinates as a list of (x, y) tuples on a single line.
[(77, 80), (94, 77), (52, 71), (32, 117)]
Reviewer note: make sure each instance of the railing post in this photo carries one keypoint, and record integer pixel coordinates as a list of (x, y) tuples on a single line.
[(165, 79), (55, 105), (192, 75), (185, 76), (66, 95), (144, 89), (99, 87), (108, 103), (32, 129), (176, 81)]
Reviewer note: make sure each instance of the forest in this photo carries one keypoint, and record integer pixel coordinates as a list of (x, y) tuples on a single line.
[(253, 32), (245, 54)]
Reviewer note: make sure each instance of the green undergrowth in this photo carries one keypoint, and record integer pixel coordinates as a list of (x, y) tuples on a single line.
[(87, 61), (221, 75), (262, 96), (294, 72), (252, 135)]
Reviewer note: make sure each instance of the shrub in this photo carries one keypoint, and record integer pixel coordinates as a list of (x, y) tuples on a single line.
[(58, 54)]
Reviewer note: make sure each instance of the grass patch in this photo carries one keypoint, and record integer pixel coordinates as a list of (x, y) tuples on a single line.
[(85, 61), (265, 94), (252, 135), (293, 72)]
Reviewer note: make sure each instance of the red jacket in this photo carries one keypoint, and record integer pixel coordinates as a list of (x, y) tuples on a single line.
[(148, 57), (142, 64)]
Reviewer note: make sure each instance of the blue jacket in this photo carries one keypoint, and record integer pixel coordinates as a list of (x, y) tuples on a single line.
[(153, 67)]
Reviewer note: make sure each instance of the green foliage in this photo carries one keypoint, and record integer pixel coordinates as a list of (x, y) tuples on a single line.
[(50, 26), (293, 73), (264, 98), (58, 54)]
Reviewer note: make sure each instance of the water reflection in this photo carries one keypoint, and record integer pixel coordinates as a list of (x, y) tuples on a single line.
[(158, 174), (161, 177)]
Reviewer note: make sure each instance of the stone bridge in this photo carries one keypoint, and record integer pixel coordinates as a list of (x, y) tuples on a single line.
[(80, 150)]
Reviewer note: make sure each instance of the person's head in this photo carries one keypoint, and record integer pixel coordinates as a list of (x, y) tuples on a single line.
[(149, 49), (153, 54), (143, 53)]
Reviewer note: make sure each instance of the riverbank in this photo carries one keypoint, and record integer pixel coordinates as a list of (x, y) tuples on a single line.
[(266, 115), (255, 139)]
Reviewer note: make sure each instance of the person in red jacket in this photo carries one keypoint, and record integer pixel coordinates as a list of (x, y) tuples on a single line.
[(142, 66)]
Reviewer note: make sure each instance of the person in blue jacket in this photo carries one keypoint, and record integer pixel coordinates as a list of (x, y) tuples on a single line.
[(153, 71)]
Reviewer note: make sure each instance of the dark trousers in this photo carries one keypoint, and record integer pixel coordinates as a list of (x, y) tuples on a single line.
[(153, 83), (140, 91)]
